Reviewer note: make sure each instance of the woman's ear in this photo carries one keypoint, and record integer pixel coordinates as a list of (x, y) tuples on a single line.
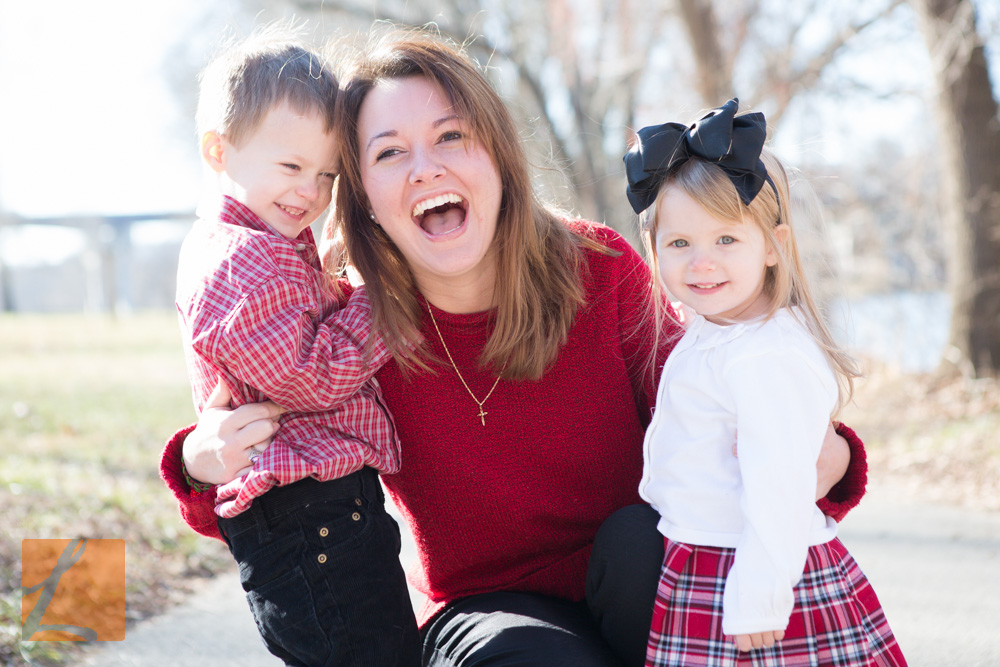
[(781, 234), (213, 151)]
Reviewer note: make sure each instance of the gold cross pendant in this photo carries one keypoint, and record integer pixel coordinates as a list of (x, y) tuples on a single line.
[(482, 415)]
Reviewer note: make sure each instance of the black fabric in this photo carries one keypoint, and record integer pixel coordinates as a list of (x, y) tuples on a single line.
[(506, 629), (721, 137), (319, 562), (621, 582)]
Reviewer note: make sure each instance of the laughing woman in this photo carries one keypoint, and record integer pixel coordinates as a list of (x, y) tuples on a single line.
[(522, 411)]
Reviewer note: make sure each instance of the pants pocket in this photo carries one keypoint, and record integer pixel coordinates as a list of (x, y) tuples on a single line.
[(287, 620)]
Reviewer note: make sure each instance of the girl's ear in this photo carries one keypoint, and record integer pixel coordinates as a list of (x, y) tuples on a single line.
[(213, 151), (781, 233)]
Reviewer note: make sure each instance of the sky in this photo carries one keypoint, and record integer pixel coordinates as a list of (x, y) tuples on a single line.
[(89, 122)]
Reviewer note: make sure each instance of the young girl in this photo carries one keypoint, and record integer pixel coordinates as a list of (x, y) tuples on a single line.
[(751, 563)]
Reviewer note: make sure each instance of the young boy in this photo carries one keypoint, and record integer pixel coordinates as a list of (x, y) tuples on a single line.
[(318, 554)]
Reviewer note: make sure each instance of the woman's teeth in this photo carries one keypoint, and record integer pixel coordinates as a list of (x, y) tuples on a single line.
[(434, 202)]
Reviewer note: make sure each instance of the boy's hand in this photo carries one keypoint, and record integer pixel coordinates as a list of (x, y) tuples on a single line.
[(219, 449), (758, 639)]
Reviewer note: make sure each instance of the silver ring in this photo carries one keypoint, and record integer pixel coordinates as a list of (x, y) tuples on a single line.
[(253, 456)]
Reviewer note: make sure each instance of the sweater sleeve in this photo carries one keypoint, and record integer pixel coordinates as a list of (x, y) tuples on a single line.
[(197, 509), (847, 493)]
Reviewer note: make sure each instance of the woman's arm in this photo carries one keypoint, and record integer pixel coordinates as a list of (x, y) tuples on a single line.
[(215, 451), (848, 481)]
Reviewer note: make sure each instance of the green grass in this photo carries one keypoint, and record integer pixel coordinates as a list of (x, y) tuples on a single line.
[(86, 403)]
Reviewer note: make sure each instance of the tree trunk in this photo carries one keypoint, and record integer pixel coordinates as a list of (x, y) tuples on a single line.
[(970, 145)]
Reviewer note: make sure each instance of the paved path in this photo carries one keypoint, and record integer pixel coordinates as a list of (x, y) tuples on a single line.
[(936, 570)]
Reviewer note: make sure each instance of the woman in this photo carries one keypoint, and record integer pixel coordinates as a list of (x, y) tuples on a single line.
[(522, 410)]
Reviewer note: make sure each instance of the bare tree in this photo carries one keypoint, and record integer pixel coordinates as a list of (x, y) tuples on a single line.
[(585, 69), (969, 139)]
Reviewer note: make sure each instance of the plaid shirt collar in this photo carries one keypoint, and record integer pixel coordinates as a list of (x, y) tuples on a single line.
[(230, 211)]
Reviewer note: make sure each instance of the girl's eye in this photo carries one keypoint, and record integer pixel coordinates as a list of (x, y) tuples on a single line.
[(726, 240), (678, 243)]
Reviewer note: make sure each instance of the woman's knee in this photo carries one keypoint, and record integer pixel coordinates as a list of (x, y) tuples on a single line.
[(507, 629), (621, 580)]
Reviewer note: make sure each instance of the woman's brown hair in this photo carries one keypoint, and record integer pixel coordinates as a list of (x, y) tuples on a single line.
[(538, 287)]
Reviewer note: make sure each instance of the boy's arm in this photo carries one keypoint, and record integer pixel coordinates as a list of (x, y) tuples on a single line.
[(274, 343)]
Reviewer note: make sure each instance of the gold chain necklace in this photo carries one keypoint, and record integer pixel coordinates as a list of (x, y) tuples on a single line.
[(482, 413)]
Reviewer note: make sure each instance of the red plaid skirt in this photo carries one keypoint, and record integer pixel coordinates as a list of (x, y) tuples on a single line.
[(837, 620)]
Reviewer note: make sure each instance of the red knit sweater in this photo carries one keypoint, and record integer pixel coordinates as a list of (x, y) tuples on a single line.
[(515, 504)]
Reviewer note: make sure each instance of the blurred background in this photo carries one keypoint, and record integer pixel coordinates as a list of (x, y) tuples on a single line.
[(887, 109)]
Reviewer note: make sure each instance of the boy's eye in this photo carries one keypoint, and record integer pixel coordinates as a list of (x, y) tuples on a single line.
[(726, 240), (328, 174), (289, 165)]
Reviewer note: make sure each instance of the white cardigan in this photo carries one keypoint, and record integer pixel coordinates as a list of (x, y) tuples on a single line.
[(767, 387)]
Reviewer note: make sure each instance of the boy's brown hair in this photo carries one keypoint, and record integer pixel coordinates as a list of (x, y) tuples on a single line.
[(249, 78)]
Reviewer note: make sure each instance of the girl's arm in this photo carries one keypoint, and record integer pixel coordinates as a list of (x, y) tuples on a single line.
[(782, 397), (842, 468)]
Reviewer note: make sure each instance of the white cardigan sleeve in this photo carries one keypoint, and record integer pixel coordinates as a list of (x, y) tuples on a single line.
[(783, 398)]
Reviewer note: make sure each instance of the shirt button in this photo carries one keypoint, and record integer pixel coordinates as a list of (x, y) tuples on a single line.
[(356, 516), (323, 532), (300, 247), (321, 558), (357, 501)]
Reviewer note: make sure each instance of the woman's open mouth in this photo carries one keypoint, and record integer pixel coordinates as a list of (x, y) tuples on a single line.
[(440, 215)]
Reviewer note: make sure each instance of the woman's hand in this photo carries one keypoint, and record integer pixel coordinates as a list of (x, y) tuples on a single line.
[(220, 447), (834, 459)]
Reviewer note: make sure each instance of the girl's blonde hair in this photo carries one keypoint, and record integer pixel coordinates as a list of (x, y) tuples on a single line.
[(538, 288), (785, 283)]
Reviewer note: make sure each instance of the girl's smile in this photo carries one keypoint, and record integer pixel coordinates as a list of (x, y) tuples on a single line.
[(716, 267)]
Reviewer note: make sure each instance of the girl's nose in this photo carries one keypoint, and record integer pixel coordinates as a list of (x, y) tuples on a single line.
[(701, 260), (425, 167)]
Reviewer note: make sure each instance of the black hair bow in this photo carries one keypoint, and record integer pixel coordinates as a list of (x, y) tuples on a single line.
[(730, 141)]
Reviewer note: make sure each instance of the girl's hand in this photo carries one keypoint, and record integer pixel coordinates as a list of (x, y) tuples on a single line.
[(758, 639), (834, 459), (218, 450)]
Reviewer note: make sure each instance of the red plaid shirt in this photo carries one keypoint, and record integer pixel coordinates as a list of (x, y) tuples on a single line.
[(256, 309)]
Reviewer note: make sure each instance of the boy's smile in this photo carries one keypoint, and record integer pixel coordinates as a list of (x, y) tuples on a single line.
[(284, 172)]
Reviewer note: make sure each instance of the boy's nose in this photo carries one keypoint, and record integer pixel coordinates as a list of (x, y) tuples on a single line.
[(308, 190)]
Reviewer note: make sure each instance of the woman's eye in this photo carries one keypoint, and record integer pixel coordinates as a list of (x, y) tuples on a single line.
[(453, 135), (387, 152), (726, 240)]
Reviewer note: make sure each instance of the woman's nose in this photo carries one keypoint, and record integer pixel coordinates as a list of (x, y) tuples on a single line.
[(425, 167)]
